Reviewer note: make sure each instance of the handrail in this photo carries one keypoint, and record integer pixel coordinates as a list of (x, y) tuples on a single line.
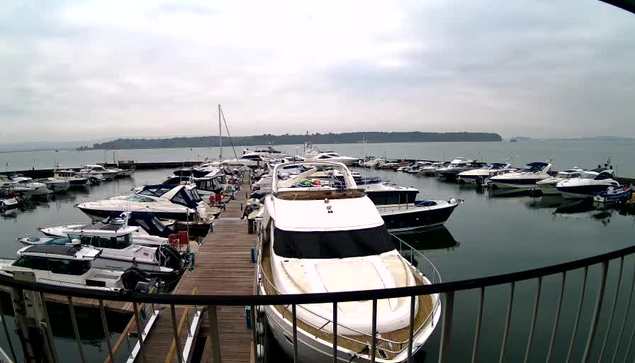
[(242, 300)]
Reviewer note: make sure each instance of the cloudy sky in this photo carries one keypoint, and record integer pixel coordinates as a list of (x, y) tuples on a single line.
[(87, 70)]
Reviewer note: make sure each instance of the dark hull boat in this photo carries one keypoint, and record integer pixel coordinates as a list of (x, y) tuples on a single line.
[(419, 215)]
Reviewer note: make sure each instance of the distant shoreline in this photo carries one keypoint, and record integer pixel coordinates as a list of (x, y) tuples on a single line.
[(286, 139)]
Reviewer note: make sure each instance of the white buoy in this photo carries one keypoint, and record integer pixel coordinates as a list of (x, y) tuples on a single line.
[(260, 328), (260, 351)]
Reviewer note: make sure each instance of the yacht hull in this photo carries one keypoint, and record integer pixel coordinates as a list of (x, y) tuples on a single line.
[(400, 219), (316, 350), (582, 192), (516, 183)]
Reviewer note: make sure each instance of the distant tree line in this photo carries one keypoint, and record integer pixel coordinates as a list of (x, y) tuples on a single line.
[(286, 139)]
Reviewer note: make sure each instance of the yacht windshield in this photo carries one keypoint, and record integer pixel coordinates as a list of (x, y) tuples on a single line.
[(335, 244)]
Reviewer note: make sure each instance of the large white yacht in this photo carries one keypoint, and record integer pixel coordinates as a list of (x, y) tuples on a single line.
[(524, 179), (180, 202), (587, 185), (313, 233), (315, 155), (548, 186)]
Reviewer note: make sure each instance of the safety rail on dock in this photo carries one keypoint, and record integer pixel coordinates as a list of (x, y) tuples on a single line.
[(447, 289)]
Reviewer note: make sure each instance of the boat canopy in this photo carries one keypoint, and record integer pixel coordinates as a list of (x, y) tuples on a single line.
[(536, 166), (180, 194)]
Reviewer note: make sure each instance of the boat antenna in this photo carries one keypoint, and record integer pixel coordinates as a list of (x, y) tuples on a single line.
[(227, 128), (220, 136)]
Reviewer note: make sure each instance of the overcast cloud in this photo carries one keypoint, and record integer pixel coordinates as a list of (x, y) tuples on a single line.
[(86, 70)]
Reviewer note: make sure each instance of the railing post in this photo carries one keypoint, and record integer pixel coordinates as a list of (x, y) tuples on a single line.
[(446, 327), (373, 347), (104, 324), (596, 313), (610, 323), (295, 334), (48, 332), (213, 333), (140, 332), (479, 321), (557, 317), (577, 318), (507, 322), (413, 300), (335, 332), (533, 320), (628, 308), (176, 333), (6, 333), (75, 328)]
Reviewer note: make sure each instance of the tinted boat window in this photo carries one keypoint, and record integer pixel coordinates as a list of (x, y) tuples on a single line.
[(336, 244)]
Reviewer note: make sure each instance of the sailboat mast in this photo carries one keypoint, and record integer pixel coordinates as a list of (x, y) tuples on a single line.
[(220, 136)]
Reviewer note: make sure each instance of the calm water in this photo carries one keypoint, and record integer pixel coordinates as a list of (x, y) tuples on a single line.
[(488, 234), (565, 154)]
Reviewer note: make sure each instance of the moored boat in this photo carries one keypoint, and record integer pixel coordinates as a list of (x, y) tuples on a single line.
[(340, 233)]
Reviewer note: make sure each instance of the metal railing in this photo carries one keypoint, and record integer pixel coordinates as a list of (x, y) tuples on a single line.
[(447, 289)]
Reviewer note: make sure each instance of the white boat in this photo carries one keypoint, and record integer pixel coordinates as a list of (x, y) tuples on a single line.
[(548, 186), (180, 202), (38, 189), (148, 231), (93, 169), (315, 234), (56, 185), (524, 179), (120, 249), (11, 187), (587, 185), (74, 180), (432, 169), (65, 265), (8, 203), (416, 167), (483, 175), (330, 156)]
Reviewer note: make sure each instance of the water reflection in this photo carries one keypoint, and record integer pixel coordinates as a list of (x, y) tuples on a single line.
[(433, 239), (510, 193), (545, 202)]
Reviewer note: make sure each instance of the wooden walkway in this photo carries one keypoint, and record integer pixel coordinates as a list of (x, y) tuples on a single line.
[(223, 266)]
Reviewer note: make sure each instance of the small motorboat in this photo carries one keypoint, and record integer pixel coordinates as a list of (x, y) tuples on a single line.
[(483, 175), (524, 179), (118, 252), (72, 266), (56, 185), (38, 189), (548, 186), (93, 169), (614, 195), (8, 203), (418, 215), (73, 178)]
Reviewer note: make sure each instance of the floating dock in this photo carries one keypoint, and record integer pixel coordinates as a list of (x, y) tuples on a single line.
[(222, 267)]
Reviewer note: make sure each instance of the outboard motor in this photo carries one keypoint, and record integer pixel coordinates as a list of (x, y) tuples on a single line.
[(135, 279), (168, 256)]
